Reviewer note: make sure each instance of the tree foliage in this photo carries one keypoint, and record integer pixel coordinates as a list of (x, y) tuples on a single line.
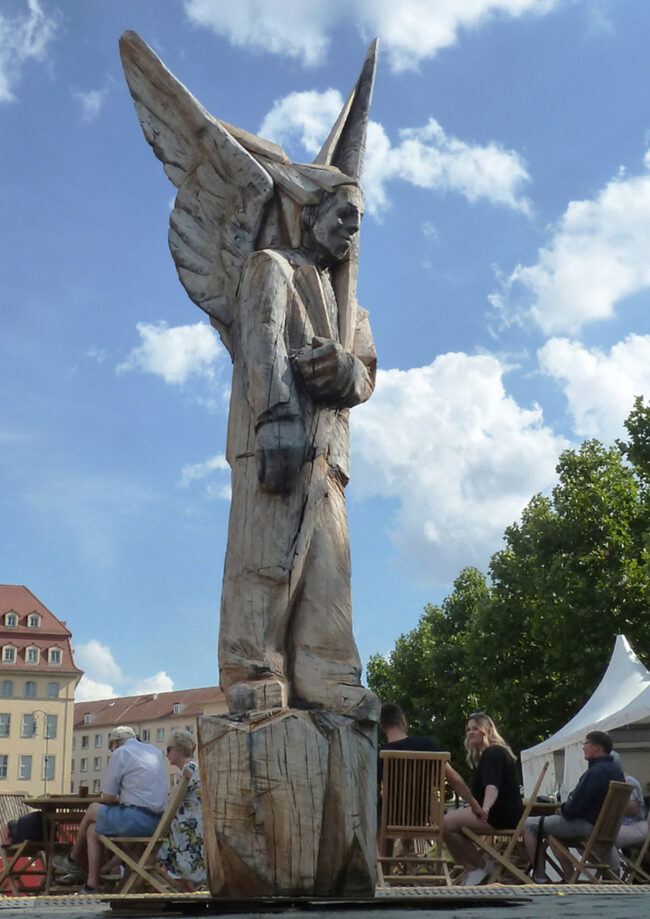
[(531, 645)]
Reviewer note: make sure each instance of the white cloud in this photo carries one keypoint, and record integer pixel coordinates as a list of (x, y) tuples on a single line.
[(90, 691), (304, 118), (598, 255), (458, 454), (91, 102), (175, 353), (600, 388), (98, 660), (23, 38), (193, 472), (410, 31), (429, 158), (104, 678), (425, 157), (159, 682)]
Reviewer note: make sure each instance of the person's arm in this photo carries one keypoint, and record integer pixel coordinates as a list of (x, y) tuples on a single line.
[(108, 799), (462, 790)]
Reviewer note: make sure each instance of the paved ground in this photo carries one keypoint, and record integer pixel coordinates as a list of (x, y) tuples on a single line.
[(556, 902)]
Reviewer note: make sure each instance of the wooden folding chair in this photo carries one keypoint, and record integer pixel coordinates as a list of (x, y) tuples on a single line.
[(504, 860), (143, 870), (633, 870), (23, 870), (412, 809), (593, 852)]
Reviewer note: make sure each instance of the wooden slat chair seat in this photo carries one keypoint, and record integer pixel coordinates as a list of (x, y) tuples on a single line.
[(23, 868), (141, 869), (593, 853), (503, 855), (633, 868), (413, 808)]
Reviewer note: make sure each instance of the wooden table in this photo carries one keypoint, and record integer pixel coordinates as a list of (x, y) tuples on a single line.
[(62, 814)]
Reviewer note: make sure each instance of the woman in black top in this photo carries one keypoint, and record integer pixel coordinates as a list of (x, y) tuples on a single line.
[(496, 788)]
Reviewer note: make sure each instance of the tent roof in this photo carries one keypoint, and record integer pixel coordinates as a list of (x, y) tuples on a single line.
[(621, 697)]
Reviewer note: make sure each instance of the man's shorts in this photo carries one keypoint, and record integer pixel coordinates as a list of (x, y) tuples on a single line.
[(124, 820), (557, 825)]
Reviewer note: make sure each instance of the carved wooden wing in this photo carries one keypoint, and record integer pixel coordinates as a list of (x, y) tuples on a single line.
[(222, 188)]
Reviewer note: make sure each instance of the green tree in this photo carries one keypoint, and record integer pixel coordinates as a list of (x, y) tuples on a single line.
[(427, 674)]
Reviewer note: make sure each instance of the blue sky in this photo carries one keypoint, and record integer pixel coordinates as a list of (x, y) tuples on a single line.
[(505, 263)]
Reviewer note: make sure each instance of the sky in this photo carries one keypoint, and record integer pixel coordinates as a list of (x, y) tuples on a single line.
[(505, 262)]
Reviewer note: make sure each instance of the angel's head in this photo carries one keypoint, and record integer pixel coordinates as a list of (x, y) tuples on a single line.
[(329, 226)]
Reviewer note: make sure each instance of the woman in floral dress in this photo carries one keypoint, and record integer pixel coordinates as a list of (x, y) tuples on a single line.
[(181, 854)]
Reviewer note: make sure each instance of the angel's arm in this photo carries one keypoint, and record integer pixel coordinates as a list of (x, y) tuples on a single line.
[(336, 377), (271, 389)]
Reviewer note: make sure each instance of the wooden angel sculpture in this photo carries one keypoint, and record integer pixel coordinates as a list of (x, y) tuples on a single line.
[(268, 249)]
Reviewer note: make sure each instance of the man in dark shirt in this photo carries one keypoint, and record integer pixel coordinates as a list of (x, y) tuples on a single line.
[(392, 721), (580, 811)]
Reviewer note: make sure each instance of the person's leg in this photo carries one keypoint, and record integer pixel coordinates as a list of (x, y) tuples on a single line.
[(462, 849), (79, 847), (530, 842), (95, 851), (568, 831)]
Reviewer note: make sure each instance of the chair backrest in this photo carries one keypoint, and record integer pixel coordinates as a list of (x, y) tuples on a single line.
[(611, 816), (413, 799), (174, 802)]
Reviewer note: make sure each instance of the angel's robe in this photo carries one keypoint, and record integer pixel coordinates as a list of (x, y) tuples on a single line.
[(286, 607)]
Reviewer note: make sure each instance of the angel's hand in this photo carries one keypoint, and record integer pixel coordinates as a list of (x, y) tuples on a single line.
[(325, 369), (280, 451)]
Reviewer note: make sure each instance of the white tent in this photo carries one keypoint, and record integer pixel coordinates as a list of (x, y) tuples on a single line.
[(621, 698)]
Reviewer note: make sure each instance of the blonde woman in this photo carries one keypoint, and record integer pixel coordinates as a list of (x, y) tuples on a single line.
[(495, 786), (181, 854)]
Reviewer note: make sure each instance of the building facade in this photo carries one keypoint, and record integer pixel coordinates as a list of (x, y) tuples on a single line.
[(38, 677), (152, 716)]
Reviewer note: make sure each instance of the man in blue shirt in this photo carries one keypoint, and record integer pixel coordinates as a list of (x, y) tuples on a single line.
[(580, 811)]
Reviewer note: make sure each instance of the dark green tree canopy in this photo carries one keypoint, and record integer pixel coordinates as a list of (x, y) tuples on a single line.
[(530, 645)]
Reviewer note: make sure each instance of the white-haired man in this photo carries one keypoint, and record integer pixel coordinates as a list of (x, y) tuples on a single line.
[(134, 795)]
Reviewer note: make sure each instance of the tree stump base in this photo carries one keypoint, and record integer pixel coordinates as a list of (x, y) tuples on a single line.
[(289, 803)]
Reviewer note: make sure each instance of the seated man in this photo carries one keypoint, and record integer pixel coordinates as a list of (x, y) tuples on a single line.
[(392, 722), (580, 811), (134, 796)]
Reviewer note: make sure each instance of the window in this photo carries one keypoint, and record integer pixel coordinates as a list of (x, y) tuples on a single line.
[(5, 724), (11, 620), (96, 786), (3, 765), (146, 735), (97, 764), (84, 741), (71, 765), (8, 654), (32, 655), (28, 728), (54, 656), (177, 708), (188, 727), (30, 689), (33, 621), (25, 767), (48, 768), (53, 690), (83, 765), (88, 718), (74, 742), (51, 726), (160, 734), (7, 688), (98, 740)]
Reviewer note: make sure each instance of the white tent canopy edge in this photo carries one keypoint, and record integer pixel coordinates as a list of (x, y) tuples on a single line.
[(622, 697)]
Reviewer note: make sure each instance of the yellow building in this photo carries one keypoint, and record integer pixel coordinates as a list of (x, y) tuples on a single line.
[(153, 716), (38, 677)]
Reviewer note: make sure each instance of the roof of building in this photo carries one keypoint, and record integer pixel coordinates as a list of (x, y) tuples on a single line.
[(146, 707), (51, 632)]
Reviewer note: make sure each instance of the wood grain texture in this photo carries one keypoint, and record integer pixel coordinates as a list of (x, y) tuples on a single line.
[(290, 804)]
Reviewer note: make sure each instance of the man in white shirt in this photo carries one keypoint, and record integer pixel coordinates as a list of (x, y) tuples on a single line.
[(134, 795)]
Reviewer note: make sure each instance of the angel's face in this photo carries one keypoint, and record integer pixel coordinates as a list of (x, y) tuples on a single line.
[(338, 220)]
